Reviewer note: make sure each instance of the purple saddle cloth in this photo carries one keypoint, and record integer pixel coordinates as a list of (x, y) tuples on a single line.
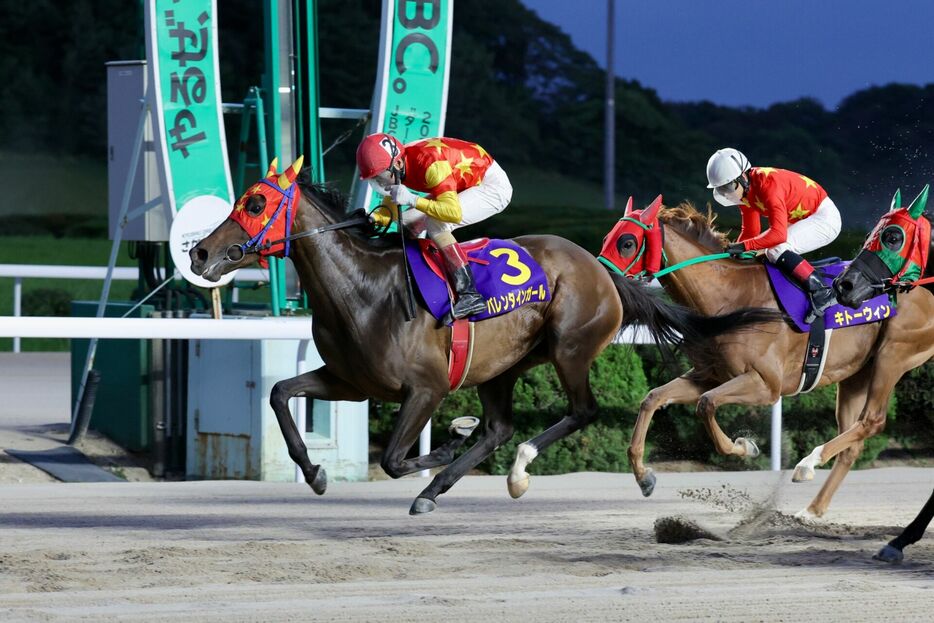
[(504, 273), (794, 301)]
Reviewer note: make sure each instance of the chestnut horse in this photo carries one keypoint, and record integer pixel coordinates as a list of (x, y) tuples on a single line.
[(759, 367), (897, 255), (355, 289)]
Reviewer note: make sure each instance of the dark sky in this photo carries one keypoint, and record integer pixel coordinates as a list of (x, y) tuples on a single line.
[(755, 52)]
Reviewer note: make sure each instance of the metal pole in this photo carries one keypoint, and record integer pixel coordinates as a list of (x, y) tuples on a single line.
[(115, 247), (610, 119), (17, 307), (777, 436), (424, 446), (301, 402)]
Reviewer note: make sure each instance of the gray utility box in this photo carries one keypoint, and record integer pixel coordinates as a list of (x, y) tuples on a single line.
[(126, 89), (233, 432)]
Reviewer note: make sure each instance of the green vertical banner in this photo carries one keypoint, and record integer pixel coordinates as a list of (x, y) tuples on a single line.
[(411, 95), (181, 49)]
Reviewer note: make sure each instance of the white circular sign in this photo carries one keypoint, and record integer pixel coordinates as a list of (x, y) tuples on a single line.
[(197, 218)]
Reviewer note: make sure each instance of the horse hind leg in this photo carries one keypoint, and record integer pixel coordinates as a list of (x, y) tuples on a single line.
[(496, 399), (319, 384), (893, 551), (582, 409)]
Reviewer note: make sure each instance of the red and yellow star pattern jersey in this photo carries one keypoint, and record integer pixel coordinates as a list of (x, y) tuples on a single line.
[(443, 167), (784, 197)]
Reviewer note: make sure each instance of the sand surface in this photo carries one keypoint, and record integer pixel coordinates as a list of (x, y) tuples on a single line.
[(577, 547)]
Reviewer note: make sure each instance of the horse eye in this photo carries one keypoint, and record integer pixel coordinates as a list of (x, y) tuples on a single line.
[(255, 205), (892, 238)]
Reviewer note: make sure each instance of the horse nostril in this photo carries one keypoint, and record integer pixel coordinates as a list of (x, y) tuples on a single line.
[(199, 254), (846, 286)]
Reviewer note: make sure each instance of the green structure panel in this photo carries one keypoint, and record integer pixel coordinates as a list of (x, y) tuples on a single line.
[(121, 411)]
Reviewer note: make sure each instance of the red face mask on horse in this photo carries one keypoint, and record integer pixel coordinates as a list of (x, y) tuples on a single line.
[(634, 246), (259, 211), (902, 239)]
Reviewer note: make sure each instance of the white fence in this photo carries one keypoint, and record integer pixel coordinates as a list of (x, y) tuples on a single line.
[(18, 326)]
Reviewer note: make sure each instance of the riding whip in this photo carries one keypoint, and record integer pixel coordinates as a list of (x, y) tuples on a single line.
[(410, 294)]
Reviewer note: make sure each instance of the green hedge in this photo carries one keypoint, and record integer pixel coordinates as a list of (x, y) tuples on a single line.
[(618, 384), (622, 376)]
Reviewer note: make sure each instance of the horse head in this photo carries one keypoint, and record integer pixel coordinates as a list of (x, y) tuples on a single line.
[(260, 219), (634, 245), (896, 251)]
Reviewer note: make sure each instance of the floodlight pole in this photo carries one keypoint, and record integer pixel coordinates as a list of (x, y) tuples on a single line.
[(609, 159)]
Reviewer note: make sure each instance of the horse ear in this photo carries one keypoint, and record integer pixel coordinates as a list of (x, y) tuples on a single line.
[(286, 179), (917, 206), (628, 206), (896, 200), (272, 167), (651, 213)]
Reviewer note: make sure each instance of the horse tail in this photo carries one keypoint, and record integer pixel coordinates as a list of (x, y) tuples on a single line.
[(671, 323)]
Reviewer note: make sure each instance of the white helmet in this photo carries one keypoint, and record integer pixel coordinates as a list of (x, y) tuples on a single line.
[(724, 166)]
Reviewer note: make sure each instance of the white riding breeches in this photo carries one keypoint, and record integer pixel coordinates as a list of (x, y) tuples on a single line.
[(489, 197), (814, 232)]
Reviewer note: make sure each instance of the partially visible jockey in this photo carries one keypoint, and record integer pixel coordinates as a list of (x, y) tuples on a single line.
[(464, 186), (802, 218)]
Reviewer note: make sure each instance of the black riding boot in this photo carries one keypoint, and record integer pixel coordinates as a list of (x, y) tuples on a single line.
[(800, 270), (469, 301)]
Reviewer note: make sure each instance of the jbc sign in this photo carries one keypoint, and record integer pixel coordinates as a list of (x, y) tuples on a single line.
[(417, 92), (426, 15)]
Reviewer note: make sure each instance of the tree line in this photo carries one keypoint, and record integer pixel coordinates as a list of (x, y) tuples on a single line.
[(519, 86)]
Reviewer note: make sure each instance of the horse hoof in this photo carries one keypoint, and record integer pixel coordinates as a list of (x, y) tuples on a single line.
[(647, 484), (463, 426), (749, 448), (803, 473), (421, 506), (889, 554), (806, 515), (517, 487), (319, 483)]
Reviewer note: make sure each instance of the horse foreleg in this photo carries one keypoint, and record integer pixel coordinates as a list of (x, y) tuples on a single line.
[(851, 396), (747, 389), (415, 412), (679, 391), (872, 419), (320, 384), (496, 399), (911, 534)]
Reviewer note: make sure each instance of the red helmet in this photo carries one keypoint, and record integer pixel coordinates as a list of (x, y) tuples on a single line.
[(376, 153)]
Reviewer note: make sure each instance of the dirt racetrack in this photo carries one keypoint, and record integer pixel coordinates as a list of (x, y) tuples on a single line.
[(575, 548)]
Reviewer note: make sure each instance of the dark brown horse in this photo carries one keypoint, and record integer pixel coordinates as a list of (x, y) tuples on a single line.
[(355, 288), (759, 367)]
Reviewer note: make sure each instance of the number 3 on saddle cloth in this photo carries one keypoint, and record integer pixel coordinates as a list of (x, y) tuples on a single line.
[(504, 273)]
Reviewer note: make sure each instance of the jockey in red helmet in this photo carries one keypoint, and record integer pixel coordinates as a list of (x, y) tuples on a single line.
[(464, 185), (801, 217)]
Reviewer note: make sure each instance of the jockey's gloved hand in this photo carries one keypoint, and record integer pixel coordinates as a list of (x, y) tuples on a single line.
[(736, 249), (645, 277), (402, 195), (385, 213)]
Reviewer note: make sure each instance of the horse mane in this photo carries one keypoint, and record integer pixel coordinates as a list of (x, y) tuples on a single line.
[(690, 221), (332, 202)]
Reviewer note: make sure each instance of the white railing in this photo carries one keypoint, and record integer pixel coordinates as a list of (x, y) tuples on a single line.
[(18, 272), (18, 326)]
